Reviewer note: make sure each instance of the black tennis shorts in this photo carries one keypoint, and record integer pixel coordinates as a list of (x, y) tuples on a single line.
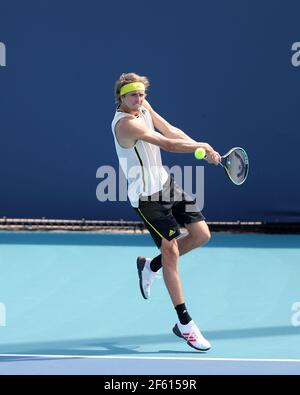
[(165, 211)]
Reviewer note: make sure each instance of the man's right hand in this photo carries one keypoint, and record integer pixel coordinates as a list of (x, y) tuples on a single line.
[(212, 156)]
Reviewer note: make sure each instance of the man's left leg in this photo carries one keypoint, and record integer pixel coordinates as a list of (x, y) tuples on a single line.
[(198, 234)]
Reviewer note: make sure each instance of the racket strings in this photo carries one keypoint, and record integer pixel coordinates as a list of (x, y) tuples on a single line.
[(237, 166)]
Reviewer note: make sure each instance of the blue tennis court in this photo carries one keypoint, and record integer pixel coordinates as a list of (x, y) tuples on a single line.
[(70, 304)]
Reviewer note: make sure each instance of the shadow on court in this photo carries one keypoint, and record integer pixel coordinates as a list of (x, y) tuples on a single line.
[(130, 345)]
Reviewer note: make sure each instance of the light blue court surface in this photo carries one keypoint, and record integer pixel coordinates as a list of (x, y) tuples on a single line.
[(70, 304)]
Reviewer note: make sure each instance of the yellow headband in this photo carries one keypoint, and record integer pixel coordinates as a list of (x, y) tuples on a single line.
[(133, 86)]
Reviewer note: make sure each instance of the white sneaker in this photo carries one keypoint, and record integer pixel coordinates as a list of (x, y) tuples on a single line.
[(146, 275), (192, 335)]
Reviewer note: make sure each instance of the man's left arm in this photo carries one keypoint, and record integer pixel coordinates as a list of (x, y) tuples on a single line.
[(180, 134), (164, 126)]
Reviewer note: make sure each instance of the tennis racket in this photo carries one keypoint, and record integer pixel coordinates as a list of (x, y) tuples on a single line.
[(236, 165)]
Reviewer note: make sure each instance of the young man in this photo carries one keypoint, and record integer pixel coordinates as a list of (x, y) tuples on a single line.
[(139, 133)]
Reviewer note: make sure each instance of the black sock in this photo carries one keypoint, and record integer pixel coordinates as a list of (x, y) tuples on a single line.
[(182, 313), (156, 264)]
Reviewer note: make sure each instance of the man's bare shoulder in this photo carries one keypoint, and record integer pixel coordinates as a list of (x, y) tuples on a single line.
[(123, 133), (125, 121)]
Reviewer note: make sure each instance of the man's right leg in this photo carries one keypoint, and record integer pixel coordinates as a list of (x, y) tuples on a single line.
[(185, 327)]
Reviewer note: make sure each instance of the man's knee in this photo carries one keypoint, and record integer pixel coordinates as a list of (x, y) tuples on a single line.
[(201, 238), (205, 236), (170, 252)]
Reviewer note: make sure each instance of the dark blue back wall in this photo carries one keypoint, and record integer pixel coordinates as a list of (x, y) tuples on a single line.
[(220, 70)]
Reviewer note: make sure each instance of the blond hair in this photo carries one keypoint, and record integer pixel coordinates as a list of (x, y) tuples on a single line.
[(127, 78)]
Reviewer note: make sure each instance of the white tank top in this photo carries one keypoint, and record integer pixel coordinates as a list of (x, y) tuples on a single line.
[(140, 164)]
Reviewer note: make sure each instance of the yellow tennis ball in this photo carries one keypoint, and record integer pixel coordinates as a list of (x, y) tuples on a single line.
[(200, 153)]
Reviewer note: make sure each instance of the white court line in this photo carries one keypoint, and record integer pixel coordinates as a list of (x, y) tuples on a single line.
[(155, 358)]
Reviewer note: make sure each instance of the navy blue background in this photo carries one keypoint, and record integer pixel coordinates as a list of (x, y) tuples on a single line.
[(220, 70)]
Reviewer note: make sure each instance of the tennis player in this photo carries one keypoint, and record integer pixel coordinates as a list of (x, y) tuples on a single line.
[(139, 133)]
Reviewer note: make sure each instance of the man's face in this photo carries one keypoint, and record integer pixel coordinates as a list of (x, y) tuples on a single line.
[(134, 100)]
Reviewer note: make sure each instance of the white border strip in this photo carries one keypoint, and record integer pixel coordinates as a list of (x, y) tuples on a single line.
[(150, 358)]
